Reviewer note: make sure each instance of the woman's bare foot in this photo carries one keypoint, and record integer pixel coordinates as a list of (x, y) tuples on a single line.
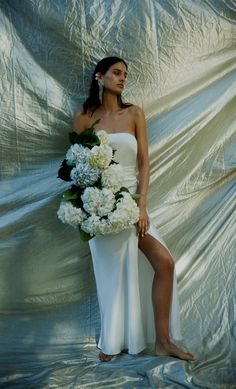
[(104, 357), (171, 350)]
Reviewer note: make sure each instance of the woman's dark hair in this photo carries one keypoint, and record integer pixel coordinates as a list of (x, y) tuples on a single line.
[(93, 102)]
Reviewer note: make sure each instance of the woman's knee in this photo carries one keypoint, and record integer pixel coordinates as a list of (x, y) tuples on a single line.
[(162, 263), (158, 256), (166, 263)]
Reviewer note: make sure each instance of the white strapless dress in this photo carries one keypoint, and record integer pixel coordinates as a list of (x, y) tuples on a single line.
[(124, 275)]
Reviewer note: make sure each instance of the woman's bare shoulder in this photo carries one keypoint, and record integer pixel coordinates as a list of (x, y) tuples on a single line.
[(135, 110), (81, 121), (136, 113)]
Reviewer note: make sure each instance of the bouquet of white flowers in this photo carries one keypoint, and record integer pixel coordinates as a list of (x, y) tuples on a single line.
[(97, 202)]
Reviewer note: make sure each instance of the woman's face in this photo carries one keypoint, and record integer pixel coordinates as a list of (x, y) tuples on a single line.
[(115, 78)]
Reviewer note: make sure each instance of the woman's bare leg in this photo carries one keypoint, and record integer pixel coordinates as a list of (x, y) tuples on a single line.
[(163, 265)]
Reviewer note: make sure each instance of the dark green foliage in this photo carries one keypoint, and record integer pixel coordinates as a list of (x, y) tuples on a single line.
[(64, 171), (87, 138), (84, 236)]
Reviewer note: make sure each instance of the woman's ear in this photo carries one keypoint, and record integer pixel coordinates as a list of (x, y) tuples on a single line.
[(98, 76)]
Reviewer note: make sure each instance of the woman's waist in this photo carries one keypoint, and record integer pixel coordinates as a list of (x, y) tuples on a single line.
[(130, 173), (129, 170), (130, 178)]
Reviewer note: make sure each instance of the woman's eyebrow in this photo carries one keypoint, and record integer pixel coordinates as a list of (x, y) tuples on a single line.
[(120, 70)]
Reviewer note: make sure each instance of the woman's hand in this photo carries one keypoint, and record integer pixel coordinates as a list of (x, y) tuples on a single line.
[(143, 223)]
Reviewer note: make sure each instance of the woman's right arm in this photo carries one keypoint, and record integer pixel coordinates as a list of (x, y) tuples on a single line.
[(81, 121)]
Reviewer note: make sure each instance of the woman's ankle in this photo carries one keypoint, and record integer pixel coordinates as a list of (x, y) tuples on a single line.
[(163, 341)]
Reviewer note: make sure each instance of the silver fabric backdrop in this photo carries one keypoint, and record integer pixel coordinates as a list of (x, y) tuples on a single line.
[(181, 57)]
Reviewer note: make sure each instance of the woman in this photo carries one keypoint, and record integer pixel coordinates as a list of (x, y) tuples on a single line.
[(123, 281)]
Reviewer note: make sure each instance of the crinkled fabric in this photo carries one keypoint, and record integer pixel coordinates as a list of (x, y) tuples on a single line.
[(181, 57)]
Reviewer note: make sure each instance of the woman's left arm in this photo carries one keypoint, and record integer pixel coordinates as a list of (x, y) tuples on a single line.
[(143, 169)]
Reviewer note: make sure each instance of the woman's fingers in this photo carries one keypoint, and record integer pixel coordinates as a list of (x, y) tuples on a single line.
[(138, 228), (142, 227)]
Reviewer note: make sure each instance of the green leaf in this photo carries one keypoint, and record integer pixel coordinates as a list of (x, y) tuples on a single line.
[(95, 123), (86, 138), (136, 196), (69, 195), (84, 236), (119, 194), (124, 189)]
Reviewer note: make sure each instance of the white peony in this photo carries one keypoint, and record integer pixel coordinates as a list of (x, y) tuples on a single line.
[(103, 136), (100, 156), (84, 175), (77, 154), (113, 177), (71, 215), (98, 201)]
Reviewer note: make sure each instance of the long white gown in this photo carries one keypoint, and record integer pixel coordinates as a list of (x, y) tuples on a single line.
[(124, 276)]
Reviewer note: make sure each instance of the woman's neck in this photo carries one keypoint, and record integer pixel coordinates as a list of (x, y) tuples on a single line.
[(110, 103)]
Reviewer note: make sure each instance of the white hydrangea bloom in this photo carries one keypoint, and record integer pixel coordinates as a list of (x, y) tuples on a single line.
[(128, 205), (103, 136), (98, 201), (100, 156), (113, 177), (71, 215), (87, 225), (117, 222), (125, 215), (77, 154), (84, 175), (94, 225)]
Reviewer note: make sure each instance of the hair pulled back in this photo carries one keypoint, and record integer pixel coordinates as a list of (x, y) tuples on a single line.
[(93, 102)]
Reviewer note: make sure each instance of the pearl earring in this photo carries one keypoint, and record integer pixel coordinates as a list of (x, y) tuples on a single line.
[(100, 86)]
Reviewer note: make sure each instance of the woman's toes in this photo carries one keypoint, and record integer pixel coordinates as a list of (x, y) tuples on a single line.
[(104, 357)]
